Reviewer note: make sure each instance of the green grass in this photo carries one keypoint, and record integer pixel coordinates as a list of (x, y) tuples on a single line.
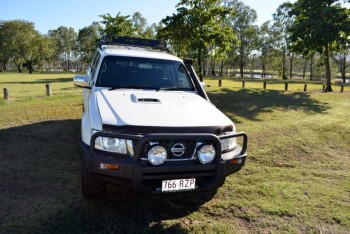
[(296, 178), (23, 85)]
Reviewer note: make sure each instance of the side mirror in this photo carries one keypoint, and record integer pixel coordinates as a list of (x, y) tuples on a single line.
[(202, 84), (81, 81)]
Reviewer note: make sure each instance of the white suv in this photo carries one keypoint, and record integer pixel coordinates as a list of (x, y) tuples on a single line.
[(148, 124)]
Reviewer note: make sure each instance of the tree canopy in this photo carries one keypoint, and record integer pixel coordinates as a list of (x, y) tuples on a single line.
[(64, 40), (21, 43), (319, 25), (117, 26), (220, 35), (242, 22), (87, 39), (198, 27)]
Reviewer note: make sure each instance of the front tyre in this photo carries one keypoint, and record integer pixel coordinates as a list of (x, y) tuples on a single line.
[(92, 188)]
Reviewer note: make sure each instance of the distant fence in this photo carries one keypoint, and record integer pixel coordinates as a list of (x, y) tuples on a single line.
[(47, 88), (286, 86), (220, 84)]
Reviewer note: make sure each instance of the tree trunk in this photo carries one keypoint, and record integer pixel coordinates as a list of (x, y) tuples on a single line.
[(241, 60), (213, 67), (291, 57), (263, 73), (343, 70), (311, 67), (228, 69), (241, 69), (341, 63), (3, 65), (19, 68), (304, 69), (328, 70), (252, 68), (343, 76), (204, 65), (30, 67), (284, 77), (222, 65)]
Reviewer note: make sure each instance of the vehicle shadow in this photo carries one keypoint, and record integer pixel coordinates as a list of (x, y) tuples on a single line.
[(249, 103), (123, 211), (40, 190)]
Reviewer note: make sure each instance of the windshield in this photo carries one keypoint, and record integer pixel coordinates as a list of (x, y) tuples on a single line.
[(144, 73)]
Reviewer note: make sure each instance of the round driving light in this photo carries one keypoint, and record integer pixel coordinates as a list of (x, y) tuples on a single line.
[(206, 154), (157, 155)]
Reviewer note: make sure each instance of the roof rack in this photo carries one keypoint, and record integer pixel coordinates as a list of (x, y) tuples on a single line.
[(137, 42)]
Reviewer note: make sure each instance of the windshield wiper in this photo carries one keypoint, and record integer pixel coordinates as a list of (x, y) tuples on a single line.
[(174, 88), (129, 87), (171, 88)]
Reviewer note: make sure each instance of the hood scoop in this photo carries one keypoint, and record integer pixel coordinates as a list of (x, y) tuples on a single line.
[(145, 98), (148, 100)]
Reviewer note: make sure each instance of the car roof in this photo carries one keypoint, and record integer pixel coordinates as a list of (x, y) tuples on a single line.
[(133, 51)]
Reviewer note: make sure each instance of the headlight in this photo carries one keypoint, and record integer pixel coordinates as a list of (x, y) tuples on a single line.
[(206, 154), (157, 155), (228, 143), (109, 144), (130, 147)]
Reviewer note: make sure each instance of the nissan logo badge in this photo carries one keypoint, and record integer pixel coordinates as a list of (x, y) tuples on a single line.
[(178, 149)]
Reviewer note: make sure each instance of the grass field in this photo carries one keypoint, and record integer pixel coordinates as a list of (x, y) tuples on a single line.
[(296, 178)]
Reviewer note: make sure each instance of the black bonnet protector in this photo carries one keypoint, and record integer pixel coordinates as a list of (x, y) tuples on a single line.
[(142, 130)]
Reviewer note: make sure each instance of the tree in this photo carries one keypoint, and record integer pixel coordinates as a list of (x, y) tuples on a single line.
[(143, 30), (65, 44), (21, 43), (198, 29), (40, 50), (87, 38), (280, 31), (5, 54), (322, 26), (176, 30), (242, 23), (117, 26), (266, 45), (12, 35), (340, 59)]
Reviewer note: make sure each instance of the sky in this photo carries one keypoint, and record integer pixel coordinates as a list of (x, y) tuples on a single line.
[(51, 14)]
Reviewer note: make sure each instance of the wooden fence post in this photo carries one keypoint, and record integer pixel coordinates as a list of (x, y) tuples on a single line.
[(48, 90), (264, 84), (342, 88), (305, 87), (243, 83), (286, 86), (6, 94), (220, 83)]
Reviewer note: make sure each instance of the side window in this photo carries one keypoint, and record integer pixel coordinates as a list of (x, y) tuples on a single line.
[(94, 64), (182, 77)]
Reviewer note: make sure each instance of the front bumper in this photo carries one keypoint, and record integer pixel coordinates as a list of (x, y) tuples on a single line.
[(145, 178)]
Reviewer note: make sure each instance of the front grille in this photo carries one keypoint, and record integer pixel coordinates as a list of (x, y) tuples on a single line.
[(189, 152), (190, 147)]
